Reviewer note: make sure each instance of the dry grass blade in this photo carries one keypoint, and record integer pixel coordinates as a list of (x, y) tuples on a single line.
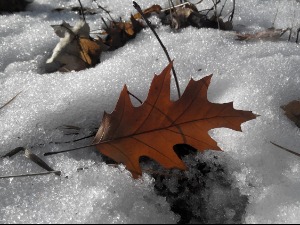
[(285, 149), (30, 175), (10, 101), (138, 8), (34, 158), (13, 152), (69, 150)]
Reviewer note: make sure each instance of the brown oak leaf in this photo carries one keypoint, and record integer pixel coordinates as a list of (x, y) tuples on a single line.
[(153, 128), (187, 14)]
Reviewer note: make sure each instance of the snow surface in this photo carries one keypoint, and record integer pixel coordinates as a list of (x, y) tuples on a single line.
[(259, 76)]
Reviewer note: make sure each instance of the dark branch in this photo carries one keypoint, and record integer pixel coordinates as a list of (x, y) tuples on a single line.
[(82, 10), (138, 8)]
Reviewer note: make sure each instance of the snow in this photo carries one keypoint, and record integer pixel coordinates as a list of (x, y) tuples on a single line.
[(259, 76)]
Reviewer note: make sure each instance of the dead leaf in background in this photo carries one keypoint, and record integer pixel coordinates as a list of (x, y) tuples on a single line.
[(219, 22), (188, 15), (119, 33), (292, 111), (180, 17), (76, 49), (158, 124), (90, 50), (271, 34), (147, 12)]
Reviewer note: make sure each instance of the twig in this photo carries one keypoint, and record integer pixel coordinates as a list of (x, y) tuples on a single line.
[(198, 2), (290, 35), (31, 174), (104, 23), (293, 21), (232, 12), (298, 31), (7, 103), (212, 8), (171, 14), (290, 151), (215, 6), (173, 6), (220, 14), (82, 11), (138, 8), (100, 7)]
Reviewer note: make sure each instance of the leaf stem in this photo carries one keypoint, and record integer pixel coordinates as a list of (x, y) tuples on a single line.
[(138, 8)]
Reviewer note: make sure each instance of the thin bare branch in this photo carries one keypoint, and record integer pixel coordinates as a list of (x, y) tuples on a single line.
[(232, 12), (107, 27), (100, 7), (212, 8), (298, 31), (198, 2), (138, 8), (220, 14), (82, 10)]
